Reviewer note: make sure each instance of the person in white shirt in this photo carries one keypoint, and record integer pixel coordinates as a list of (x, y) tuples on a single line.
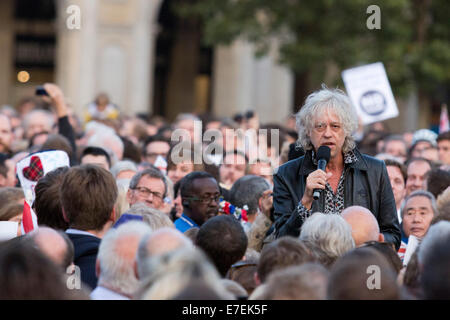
[(116, 260)]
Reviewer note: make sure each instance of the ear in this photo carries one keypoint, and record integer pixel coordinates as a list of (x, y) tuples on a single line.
[(135, 268), (256, 278), (380, 237), (64, 215), (113, 215), (97, 268), (2, 181), (129, 196)]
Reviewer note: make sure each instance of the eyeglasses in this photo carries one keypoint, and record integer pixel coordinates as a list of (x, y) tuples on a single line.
[(322, 126), (145, 192), (206, 200)]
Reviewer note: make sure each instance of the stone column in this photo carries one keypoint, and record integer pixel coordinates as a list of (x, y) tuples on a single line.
[(6, 58), (243, 82), (112, 53)]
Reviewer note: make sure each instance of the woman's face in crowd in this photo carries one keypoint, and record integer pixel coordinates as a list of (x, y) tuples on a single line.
[(180, 170)]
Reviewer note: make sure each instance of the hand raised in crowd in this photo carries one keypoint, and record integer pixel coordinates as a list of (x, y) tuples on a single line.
[(57, 99), (315, 180)]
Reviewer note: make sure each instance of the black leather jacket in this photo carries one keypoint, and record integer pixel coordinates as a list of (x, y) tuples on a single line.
[(366, 184)]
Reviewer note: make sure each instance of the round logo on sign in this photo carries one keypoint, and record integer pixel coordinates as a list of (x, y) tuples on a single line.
[(373, 103)]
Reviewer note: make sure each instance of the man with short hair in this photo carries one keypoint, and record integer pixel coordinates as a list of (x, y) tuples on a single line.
[(148, 186), (223, 240), (233, 167), (200, 196), (7, 172), (38, 121), (418, 210), (116, 260), (363, 223), (282, 253), (397, 176), (443, 142), (97, 156), (417, 171), (56, 245), (156, 146), (395, 145), (349, 277), (88, 194)]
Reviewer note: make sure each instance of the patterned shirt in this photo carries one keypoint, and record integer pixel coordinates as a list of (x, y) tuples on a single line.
[(334, 203)]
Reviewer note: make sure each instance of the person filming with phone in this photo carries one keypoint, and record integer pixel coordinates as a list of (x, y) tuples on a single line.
[(333, 174)]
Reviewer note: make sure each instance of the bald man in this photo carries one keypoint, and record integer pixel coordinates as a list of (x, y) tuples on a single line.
[(363, 223), (55, 245)]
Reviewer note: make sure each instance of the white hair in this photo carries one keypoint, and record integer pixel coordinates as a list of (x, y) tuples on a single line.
[(122, 204), (50, 118), (330, 232), (124, 165), (437, 233), (174, 271), (159, 242), (320, 101), (155, 218), (110, 142), (117, 269)]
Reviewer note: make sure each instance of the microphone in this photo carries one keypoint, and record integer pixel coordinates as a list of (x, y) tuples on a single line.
[(323, 156)]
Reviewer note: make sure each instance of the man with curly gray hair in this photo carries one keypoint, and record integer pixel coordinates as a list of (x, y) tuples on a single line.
[(350, 178)]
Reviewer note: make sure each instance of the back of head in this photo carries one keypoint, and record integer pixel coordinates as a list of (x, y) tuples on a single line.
[(117, 254), (58, 142), (235, 289), (434, 259), (223, 239), (247, 190), (363, 223), (282, 253), (55, 245), (437, 181), (362, 274), (88, 194), (330, 232), (11, 194), (47, 204), (125, 165), (160, 242), (153, 217), (305, 282), (172, 272), (388, 252), (25, 273)]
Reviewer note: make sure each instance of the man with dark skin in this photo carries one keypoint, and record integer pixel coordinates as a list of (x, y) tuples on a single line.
[(200, 195)]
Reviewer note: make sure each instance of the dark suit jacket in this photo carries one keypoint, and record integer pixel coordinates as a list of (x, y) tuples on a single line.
[(366, 184), (86, 249)]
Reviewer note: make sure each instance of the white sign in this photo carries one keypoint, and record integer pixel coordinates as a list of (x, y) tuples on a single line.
[(37, 165), (370, 92)]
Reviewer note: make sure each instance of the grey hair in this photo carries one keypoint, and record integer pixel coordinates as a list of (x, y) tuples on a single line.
[(152, 172), (117, 271), (172, 239), (153, 217), (421, 193), (330, 232), (319, 101), (32, 113), (437, 233), (107, 140), (124, 165), (186, 116), (247, 191), (173, 271)]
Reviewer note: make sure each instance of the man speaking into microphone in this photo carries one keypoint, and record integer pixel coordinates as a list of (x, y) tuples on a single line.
[(333, 174)]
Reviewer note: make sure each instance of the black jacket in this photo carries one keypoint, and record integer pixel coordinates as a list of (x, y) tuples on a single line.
[(366, 184), (85, 256)]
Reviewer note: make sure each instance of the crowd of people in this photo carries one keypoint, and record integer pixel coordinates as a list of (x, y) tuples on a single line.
[(222, 208)]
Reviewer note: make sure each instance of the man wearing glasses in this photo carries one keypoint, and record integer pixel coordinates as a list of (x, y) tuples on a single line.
[(350, 178), (200, 196), (149, 187)]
